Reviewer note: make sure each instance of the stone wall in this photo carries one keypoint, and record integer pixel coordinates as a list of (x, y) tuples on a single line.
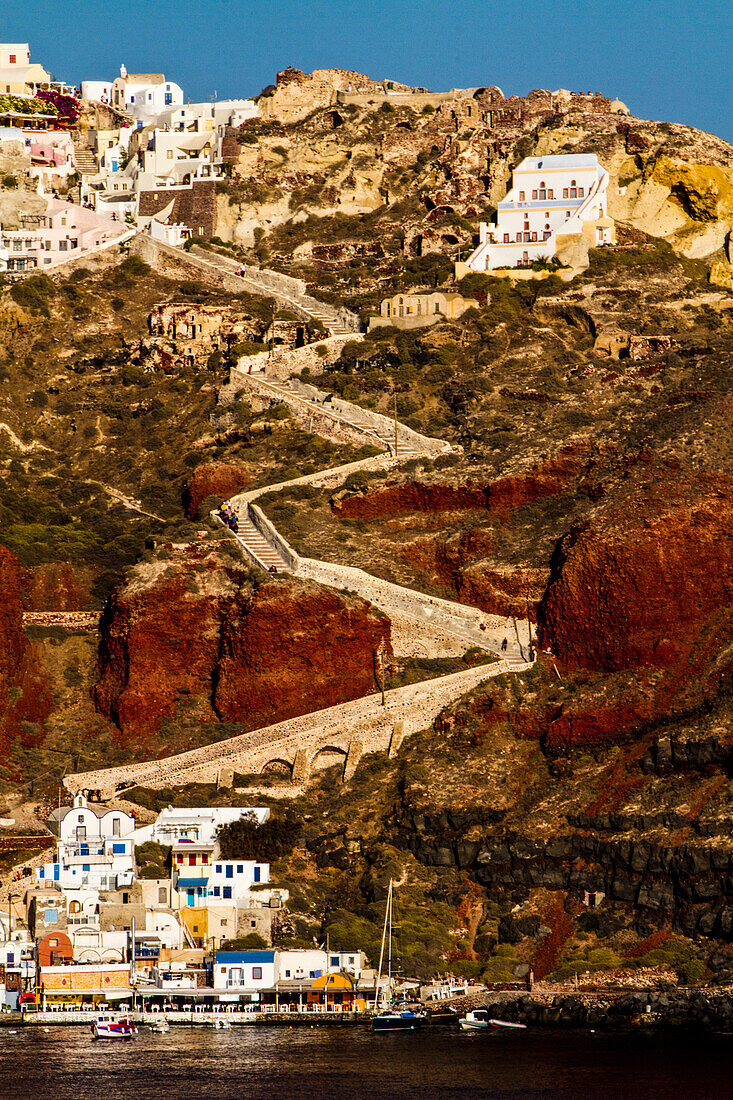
[(298, 741), (285, 362)]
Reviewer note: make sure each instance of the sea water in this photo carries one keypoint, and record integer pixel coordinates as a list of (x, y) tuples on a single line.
[(340, 1063)]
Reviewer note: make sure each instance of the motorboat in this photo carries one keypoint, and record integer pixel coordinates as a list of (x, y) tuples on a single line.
[(220, 1024), (403, 1017), (476, 1020), (161, 1027), (114, 1025), (508, 1024)]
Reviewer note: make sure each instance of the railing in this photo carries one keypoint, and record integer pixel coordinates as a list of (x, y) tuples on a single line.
[(271, 535)]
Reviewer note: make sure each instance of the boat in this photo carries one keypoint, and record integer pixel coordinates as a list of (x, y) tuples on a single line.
[(508, 1024), (114, 1025), (476, 1020), (407, 1015), (161, 1027), (220, 1024), (403, 1017)]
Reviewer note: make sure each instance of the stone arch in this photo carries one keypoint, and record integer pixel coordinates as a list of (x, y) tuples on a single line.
[(328, 756), (278, 766)]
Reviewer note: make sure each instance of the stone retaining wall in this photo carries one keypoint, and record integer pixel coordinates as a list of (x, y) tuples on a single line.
[(405, 711), (285, 362)]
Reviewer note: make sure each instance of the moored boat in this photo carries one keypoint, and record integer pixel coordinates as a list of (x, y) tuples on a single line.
[(161, 1027), (220, 1024), (114, 1025), (476, 1020), (403, 1017), (507, 1024)]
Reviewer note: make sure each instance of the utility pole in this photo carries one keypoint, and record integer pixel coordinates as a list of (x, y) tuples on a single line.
[(395, 424), (529, 629)]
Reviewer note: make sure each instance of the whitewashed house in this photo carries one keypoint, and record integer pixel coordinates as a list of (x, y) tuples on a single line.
[(551, 199), (95, 850), (144, 95), (245, 973), (188, 829), (64, 232)]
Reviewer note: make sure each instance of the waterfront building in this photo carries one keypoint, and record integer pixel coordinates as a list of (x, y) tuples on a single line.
[(551, 199)]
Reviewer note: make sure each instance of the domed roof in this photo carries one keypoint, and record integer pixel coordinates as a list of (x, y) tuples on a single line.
[(620, 108)]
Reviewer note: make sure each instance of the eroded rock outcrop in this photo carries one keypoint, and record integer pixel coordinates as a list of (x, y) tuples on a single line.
[(25, 700), (647, 578), (194, 633), (219, 479)]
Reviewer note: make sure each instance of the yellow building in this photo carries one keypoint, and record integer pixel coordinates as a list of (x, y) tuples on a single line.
[(80, 982), (17, 75), (417, 310)]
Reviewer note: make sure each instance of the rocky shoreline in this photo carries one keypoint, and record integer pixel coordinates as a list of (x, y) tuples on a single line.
[(688, 1007)]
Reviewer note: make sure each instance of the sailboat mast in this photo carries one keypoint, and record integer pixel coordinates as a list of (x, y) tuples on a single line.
[(384, 938), (391, 895)]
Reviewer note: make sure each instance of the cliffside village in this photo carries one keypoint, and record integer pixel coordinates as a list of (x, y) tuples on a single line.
[(111, 159), (92, 926)]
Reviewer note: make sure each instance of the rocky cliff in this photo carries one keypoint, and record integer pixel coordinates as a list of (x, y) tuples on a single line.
[(191, 636)]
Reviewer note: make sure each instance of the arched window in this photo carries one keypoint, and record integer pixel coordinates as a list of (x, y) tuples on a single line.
[(75, 907)]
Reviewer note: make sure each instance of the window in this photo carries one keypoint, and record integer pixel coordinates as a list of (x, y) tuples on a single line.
[(192, 861), (125, 898), (224, 924), (256, 973), (179, 859), (521, 196), (63, 246), (581, 192), (118, 849), (229, 871), (550, 193), (287, 973), (205, 857), (116, 826), (218, 868), (227, 892), (240, 868), (168, 99), (519, 238), (86, 866), (534, 194), (534, 236), (543, 193), (75, 907), (506, 238), (334, 960), (162, 895), (169, 154), (565, 193), (12, 59), (81, 832), (258, 870), (527, 237)]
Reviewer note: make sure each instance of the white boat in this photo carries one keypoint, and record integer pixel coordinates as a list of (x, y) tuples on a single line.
[(161, 1027), (477, 1020), (114, 1025), (507, 1023), (220, 1024)]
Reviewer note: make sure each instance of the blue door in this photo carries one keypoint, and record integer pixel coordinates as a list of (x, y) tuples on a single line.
[(190, 897)]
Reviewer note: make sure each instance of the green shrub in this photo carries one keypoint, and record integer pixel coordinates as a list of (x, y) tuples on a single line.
[(247, 839)]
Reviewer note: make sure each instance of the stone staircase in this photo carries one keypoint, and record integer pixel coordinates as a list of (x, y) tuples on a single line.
[(85, 161), (265, 554)]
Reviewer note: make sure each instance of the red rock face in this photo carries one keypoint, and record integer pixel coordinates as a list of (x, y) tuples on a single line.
[(498, 497), (59, 586), (25, 700), (296, 648), (13, 644), (219, 479), (646, 579), (196, 631)]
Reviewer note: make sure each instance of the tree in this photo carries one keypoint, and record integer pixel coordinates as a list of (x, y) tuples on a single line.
[(247, 839)]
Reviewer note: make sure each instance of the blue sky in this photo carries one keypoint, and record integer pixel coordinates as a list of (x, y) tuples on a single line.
[(667, 60)]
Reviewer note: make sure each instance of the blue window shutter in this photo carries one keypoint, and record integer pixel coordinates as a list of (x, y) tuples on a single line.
[(240, 868), (217, 892), (118, 849), (227, 891), (257, 874), (218, 868), (230, 871), (86, 866)]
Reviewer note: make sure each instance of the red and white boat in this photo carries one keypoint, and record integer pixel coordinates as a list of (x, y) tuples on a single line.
[(114, 1025)]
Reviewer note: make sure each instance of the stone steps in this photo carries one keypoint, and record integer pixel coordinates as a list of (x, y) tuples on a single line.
[(259, 545), (85, 161)]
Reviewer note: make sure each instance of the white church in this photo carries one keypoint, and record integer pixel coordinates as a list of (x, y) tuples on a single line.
[(551, 199)]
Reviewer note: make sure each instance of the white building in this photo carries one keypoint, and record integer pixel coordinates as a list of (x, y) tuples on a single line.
[(65, 232), (96, 91), (183, 828), (245, 972), (95, 850), (222, 882), (551, 199), (144, 95)]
